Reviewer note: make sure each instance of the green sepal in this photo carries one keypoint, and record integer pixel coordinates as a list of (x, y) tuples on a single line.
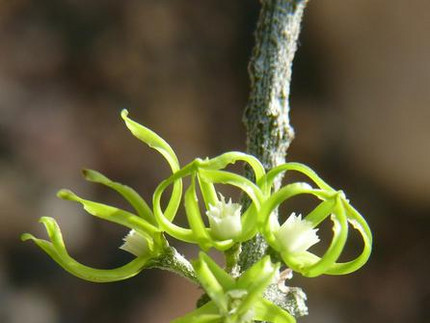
[(194, 217), (224, 278), (321, 212), (208, 190), (153, 140), (207, 313), (255, 280), (301, 168), (156, 142), (358, 223), (268, 312), (223, 160), (138, 203), (259, 276), (111, 213), (211, 284), (224, 177), (57, 251), (218, 284), (165, 218)]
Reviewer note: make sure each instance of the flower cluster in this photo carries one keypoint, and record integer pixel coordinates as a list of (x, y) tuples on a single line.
[(236, 300), (222, 225)]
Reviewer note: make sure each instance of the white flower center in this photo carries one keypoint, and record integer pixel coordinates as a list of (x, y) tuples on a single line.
[(224, 219), (135, 243), (297, 235)]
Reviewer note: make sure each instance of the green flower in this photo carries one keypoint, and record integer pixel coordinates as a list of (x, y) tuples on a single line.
[(236, 300), (227, 224), (295, 236), (145, 239), (58, 252)]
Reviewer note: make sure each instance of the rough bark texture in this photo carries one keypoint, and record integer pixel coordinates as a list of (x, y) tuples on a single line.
[(171, 260), (269, 132), (266, 117)]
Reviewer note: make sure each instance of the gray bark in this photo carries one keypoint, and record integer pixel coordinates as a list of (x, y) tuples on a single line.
[(266, 117), (269, 132)]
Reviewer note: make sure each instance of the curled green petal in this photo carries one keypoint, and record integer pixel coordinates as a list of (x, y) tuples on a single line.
[(208, 192), (152, 140), (138, 203), (110, 213), (167, 215), (358, 222), (224, 177), (324, 209), (57, 251), (340, 234), (249, 223), (301, 168), (165, 218), (232, 157), (156, 142), (195, 218)]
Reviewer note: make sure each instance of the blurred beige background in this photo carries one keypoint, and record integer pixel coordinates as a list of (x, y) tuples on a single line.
[(360, 107)]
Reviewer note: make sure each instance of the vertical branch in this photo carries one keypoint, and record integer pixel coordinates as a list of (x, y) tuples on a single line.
[(266, 117)]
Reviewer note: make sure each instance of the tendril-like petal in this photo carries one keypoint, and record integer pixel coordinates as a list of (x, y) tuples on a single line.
[(57, 251), (135, 200)]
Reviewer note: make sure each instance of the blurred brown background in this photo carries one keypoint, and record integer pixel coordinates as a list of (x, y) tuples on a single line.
[(360, 107)]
